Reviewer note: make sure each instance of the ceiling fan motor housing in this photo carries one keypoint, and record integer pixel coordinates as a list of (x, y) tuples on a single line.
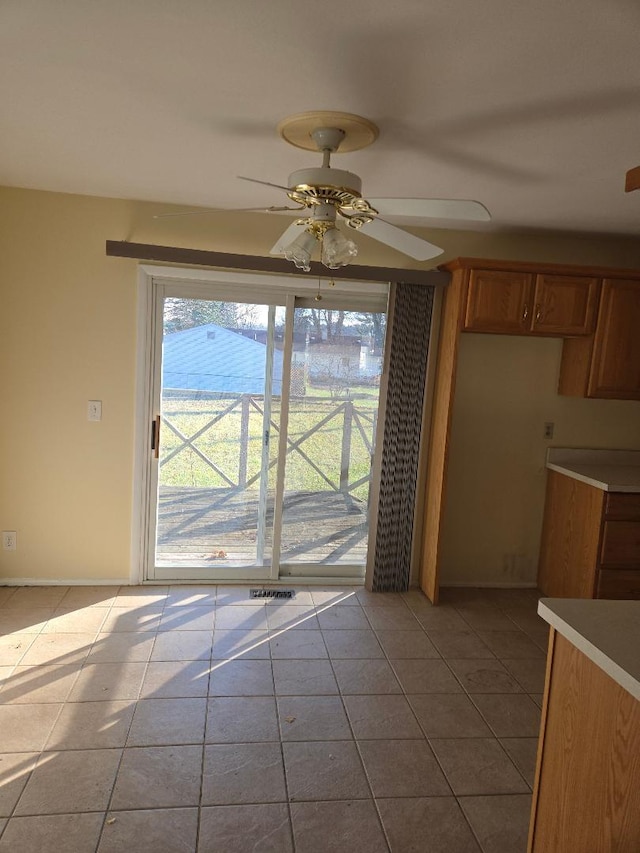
[(318, 185)]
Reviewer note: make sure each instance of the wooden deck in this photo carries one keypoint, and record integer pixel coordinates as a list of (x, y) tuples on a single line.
[(209, 527)]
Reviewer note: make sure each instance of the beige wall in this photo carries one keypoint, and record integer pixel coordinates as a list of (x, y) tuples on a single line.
[(67, 335)]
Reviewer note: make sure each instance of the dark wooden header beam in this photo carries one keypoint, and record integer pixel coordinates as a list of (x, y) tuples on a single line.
[(254, 263)]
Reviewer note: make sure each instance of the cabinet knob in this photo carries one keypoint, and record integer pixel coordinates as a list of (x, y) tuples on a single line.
[(538, 313), (525, 313)]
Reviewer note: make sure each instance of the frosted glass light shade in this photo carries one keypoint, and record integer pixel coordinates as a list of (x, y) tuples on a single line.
[(337, 250)]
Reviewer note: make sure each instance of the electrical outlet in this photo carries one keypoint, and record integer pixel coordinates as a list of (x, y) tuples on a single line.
[(94, 410), (548, 430), (9, 540)]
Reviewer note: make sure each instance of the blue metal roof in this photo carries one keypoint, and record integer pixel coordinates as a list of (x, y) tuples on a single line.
[(211, 358)]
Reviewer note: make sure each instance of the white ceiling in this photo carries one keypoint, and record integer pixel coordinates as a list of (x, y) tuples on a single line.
[(531, 107)]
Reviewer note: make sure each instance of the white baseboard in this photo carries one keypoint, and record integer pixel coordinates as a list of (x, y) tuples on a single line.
[(64, 582)]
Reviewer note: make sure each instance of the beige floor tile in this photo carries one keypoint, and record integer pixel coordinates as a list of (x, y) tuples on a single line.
[(484, 676), (130, 647), (459, 644), (303, 678), (158, 777), (89, 596), (523, 751), (36, 596), (425, 676), (243, 773), (140, 596), (302, 597), (245, 645), (407, 644), (337, 827), (238, 829), (229, 594), (13, 647), (298, 644), (409, 822), (365, 677), (83, 620), (91, 725), (182, 645), (106, 682), (241, 617), (381, 717), (15, 769), (391, 618), (312, 718), (500, 823), (159, 722), (29, 620), (448, 715), (291, 617), (150, 831), (331, 596), (187, 618), (6, 592), (25, 728), (352, 644), (199, 596), (477, 766), (324, 770), (125, 620), (241, 678), (484, 617), (511, 645), (343, 616), (175, 679), (242, 720), (73, 833), (513, 715), (403, 768), (379, 599), (58, 649), (444, 617), (529, 673), (73, 781), (38, 684)]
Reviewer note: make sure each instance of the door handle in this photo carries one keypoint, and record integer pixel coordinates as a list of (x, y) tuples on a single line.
[(155, 436)]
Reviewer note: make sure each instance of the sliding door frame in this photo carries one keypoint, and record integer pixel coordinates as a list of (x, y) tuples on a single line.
[(232, 286)]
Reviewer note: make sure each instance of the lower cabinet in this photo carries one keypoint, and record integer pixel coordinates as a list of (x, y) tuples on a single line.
[(586, 796), (590, 544)]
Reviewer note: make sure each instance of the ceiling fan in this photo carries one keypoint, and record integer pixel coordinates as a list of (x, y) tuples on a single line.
[(327, 196)]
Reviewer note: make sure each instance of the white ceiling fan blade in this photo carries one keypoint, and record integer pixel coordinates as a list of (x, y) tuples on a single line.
[(287, 238), (264, 183), (431, 208), (272, 209), (401, 240)]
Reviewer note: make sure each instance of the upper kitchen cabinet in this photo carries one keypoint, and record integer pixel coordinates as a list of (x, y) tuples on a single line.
[(520, 302), (607, 364)]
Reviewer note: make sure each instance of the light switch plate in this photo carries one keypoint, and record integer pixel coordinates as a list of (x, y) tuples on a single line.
[(94, 410)]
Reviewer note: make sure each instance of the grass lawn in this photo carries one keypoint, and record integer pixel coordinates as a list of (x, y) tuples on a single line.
[(223, 444)]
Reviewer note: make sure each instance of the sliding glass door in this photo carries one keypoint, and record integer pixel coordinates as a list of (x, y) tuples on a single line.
[(264, 420)]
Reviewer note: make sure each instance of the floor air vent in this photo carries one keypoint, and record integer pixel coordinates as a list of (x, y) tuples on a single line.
[(271, 593)]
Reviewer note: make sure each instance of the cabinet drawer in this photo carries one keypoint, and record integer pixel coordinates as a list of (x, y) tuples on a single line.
[(620, 505), (613, 583), (621, 544)]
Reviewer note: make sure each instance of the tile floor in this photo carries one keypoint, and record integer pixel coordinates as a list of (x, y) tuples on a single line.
[(181, 719)]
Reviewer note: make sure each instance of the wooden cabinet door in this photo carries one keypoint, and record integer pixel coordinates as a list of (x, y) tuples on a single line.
[(615, 364), (499, 302), (564, 305)]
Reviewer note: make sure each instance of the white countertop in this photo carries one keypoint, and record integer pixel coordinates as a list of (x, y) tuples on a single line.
[(607, 632), (610, 470)]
